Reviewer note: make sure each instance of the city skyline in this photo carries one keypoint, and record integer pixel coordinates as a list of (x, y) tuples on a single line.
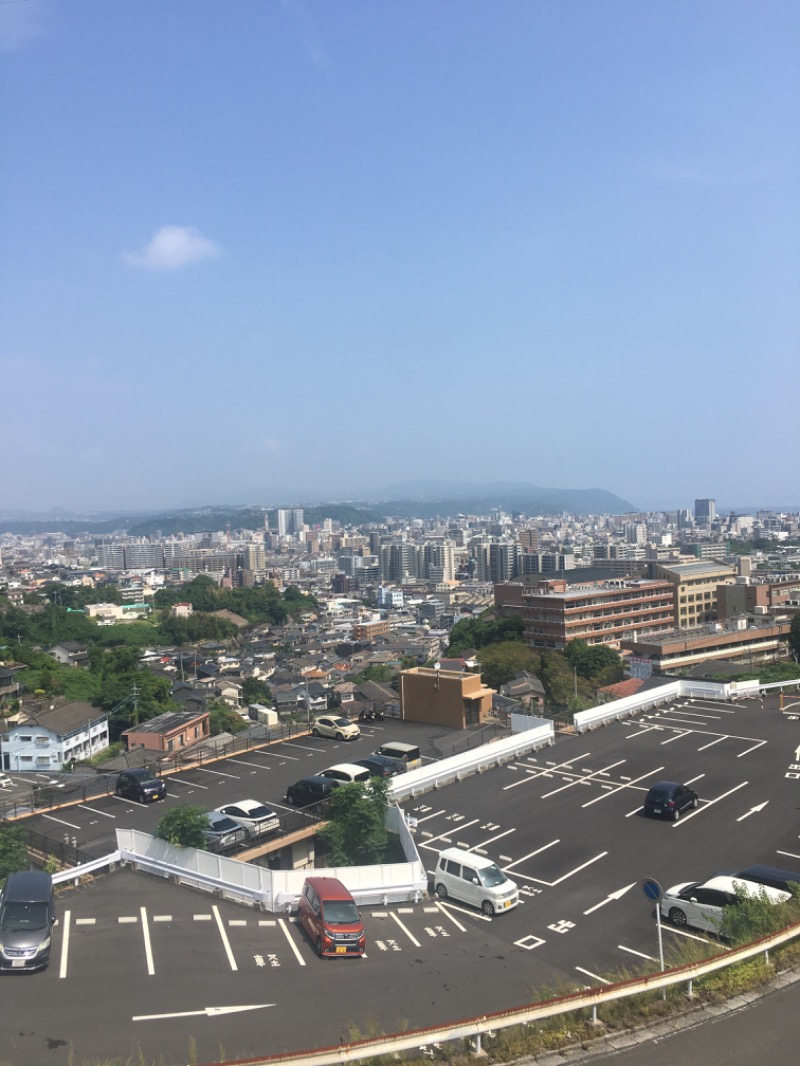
[(329, 248)]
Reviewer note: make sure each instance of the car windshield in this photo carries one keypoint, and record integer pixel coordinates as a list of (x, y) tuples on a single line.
[(341, 721), (340, 912), (659, 795), (16, 916), (492, 876), (259, 811), (222, 824), (147, 779)]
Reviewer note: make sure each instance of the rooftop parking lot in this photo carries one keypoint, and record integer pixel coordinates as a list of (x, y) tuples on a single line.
[(565, 823)]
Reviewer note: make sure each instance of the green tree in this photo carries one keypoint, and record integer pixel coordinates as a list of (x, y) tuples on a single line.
[(502, 662), (223, 719), (478, 632), (356, 831), (13, 851), (794, 636), (256, 691), (184, 825)]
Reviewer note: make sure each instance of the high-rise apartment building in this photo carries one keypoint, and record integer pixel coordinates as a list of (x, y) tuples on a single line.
[(705, 512), (290, 521)]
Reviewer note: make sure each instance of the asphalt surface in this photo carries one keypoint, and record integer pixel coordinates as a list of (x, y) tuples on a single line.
[(145, 964)]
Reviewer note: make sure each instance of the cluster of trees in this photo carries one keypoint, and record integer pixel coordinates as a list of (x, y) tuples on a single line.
[(13, 851), (259, 604), (570, 678)]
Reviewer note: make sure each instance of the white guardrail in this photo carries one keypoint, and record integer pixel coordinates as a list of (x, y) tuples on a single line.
[(619, 709), (474, 1029)]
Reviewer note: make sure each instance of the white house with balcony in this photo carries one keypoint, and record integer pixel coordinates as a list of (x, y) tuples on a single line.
[(49, 740)]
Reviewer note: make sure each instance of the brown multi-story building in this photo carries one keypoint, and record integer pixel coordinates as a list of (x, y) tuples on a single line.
[(444, 697), (599, 612), (370, 630)]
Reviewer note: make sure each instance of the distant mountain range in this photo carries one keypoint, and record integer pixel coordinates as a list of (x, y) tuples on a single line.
[(421, 499)]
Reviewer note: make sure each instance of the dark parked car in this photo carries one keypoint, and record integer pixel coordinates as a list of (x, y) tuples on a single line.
[(309, 790), (670, 800), (140, 784), (381, 765)]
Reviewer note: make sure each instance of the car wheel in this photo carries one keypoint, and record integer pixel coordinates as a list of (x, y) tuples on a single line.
[(677, 916), (340, 736), (441, 891), (315, 732), (319, 946), (676, 814), (694, 803), (488, 908), (141, 797)]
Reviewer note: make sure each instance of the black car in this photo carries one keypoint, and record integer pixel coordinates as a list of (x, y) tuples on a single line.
[(310, 790), (669, 799), (381, 765), (140, 784)]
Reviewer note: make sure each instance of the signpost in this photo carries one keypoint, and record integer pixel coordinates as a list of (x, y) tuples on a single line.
[(653, 891)]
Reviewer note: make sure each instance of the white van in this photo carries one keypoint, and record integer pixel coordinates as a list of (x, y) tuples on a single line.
[(474, 879), (344, 773), (5, 781)]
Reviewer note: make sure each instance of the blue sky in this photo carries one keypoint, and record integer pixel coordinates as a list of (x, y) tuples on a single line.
[(321, 246)]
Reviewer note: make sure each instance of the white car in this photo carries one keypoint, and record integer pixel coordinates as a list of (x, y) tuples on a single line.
[(701, 904), (333, 725), (344, 773), (253, 816)]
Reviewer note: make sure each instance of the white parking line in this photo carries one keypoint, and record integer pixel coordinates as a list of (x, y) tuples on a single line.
[(760, 744), (586, 777), (202, 917), (407, 931), (225, 942), (682, 932), (641, 954), (61, 821), (85, 921), (444, 836), (679, 735), (218, 773), (446, 911), (65, 945), (619, 788), (711, 743), (707, 804), (594, 976), (148, 947), (189, 784), (532, 776), (94, 810), (428, 817), (531, 854), (127, 920), (275, 755), (290, 940), (244, 762)]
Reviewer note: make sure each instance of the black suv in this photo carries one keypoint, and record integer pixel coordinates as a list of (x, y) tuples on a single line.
[(310, 790), (140, 784), (669, 799)]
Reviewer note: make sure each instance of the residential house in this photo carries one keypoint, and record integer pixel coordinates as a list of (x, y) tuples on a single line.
[(49, 740), (70, 653), (168, 732)]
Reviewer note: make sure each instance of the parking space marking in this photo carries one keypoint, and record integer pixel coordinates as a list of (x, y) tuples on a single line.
[(85, 921), (788, 854), (275, 755), (448, 905), (148, 947), (270, 923), (189, 784), (62, 972), (755, 747), (586, 777), (243, 762), (711, 743), (218, 773), (202, 917), (682, 932), (290, 940), (447, 913), (427, 817), (224, 936), (406, 930), (528, 943), (619, 788), (552, 884), (300, 747), (531, 854), (679, 735), (127, 920), (594, 976), (237, 921), (444, 837), (532, 775), (94, 810), (707, 805), (641, 954), (61, 821), (162, 917)]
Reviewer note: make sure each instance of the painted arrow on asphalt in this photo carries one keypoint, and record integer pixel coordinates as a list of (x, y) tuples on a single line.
[(614, 895), (209, 1012), (753, 810)]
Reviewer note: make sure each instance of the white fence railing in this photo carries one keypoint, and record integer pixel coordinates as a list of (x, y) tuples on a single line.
[(273, 890), (454, 767)]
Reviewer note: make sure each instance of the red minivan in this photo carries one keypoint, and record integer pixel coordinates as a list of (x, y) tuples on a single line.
[(329, 915)]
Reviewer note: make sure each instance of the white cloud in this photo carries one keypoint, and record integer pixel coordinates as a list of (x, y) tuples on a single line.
[(173, 247)]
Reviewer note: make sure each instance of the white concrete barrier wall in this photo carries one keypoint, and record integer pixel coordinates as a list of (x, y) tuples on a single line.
[(454, 767)]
